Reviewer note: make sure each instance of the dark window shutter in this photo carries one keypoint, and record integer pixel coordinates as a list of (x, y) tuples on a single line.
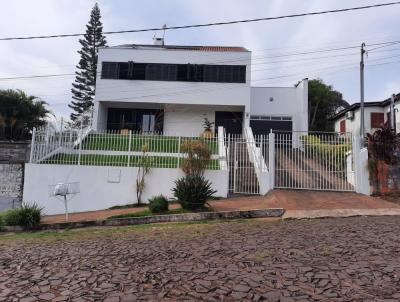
[(169, 72), (124, 71), (343, 126), (239, 74), (139, 71), (130, 70), (182, 72), (109, 70), (210, 73), (154, 72), (377, 119)]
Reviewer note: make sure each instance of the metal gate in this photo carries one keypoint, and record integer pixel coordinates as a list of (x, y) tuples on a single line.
[(314, 161), (242, 171)]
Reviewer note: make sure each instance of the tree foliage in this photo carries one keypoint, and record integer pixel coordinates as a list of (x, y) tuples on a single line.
[(19, 113), (83, 89), (323, 103)]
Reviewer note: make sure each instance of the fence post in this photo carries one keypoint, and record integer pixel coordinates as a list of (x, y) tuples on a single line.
[(260, 155), (32, 145), (271, 159), (129, 147), (179, 152), (80, 140), (61, 127)]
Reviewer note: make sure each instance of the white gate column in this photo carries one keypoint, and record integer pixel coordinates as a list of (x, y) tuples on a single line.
[(271, 160), (361, 171)]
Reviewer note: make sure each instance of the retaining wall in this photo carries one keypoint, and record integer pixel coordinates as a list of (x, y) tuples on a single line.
[(13, 155), (104, 187)]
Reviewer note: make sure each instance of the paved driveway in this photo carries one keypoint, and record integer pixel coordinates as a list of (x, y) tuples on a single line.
[(349, 259)]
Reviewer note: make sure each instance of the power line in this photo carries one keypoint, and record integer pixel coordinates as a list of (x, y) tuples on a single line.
[(223, 61), (210, 24)]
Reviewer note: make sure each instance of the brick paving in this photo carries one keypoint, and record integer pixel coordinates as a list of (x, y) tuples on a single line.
[(348, 259)]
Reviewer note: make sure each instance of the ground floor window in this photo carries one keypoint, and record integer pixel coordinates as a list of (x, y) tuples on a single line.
[(231, 121), (141, 120)]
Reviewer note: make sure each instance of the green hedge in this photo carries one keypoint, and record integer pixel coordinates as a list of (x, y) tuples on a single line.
[(332, 155)]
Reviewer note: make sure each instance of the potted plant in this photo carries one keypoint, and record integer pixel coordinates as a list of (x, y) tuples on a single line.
[(207, 125)]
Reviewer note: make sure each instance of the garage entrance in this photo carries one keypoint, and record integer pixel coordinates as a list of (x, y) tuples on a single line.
[(262, 125)]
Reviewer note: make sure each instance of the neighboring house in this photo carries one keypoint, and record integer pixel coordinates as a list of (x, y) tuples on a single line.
[(375, 114), (171, 89)]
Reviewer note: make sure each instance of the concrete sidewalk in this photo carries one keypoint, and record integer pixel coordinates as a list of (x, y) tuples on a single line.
[(297, 203)]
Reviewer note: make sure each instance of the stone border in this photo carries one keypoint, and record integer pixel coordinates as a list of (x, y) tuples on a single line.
[(257, 213)]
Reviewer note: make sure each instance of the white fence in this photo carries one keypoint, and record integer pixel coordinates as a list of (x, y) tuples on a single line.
[(313, 161), (129, 149)]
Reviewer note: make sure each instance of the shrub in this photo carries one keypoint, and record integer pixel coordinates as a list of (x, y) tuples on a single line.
[(193, 191), (28, 215), (333, 155), (158, 204), (198, 155)]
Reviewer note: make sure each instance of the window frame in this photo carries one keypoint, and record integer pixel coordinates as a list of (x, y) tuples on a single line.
[(377, 119)]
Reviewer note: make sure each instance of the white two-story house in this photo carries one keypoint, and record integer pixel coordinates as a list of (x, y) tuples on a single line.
[(171, 89)]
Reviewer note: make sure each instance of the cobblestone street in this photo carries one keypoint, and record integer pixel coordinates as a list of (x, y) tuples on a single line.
[(351, 259)]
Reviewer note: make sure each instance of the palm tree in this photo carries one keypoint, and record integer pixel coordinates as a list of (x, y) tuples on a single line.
[(19, 113)]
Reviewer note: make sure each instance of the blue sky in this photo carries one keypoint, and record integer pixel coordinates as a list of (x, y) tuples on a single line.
[(273, 43)]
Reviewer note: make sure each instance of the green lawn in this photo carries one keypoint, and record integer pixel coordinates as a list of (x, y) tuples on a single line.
[(156, 143), (120, 161)]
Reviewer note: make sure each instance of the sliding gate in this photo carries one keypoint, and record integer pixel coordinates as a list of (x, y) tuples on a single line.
[(314, 161)]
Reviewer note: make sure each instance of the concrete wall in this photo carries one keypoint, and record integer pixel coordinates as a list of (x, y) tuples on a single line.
[(186, 121), (282, 101), (13, 155), (103, 187)]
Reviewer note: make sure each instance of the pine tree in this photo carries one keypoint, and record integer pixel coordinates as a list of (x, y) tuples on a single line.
[(83, 89)]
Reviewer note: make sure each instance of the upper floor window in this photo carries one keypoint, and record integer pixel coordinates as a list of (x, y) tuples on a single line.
[(377, 119), (174, 72), (343, 126)]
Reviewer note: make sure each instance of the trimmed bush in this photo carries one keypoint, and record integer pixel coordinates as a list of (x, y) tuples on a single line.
[(193, 191), (28, 216), (158, 204)]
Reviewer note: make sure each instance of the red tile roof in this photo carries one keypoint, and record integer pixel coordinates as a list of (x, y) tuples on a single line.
[(188, 47)]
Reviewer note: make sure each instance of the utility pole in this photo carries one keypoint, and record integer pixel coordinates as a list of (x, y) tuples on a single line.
[(362, 125)]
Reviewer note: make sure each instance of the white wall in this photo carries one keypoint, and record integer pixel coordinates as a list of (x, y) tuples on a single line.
[(98, 189), (287, 101), (189, 121), (174, 92)]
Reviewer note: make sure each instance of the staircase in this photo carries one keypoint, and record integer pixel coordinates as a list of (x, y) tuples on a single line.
[(242, 176)]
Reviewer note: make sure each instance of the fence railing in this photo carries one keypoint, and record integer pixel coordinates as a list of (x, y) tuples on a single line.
[(130, 149), (315, 161)]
